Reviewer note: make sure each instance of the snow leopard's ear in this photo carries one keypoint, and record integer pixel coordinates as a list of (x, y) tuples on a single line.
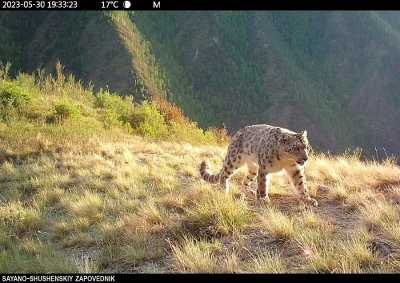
[(302, 135)]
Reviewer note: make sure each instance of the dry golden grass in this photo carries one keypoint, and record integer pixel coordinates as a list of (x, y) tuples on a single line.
[(267, 263), (277, 224), (141, 207), (195, 256)]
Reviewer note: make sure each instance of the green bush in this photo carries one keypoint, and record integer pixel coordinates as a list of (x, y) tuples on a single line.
[(8, 114), (111, 119), (13, 99), (66, 110), (191, 133), (22, 99), (13, 95), (147, 121), (117, 109)]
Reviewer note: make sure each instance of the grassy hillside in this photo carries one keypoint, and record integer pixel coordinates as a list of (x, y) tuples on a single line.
[(90, 182), (333, 73)]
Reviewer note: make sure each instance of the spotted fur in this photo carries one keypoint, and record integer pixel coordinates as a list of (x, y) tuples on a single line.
[(264, 149)]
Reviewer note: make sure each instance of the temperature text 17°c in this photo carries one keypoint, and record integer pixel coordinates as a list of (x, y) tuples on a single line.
[(109, 4), (113, 4)]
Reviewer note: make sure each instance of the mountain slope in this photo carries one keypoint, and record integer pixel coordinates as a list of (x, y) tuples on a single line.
[(334, 73), (326, 71)]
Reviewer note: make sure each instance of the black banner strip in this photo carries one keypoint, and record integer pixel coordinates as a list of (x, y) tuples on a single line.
[(198, 5)]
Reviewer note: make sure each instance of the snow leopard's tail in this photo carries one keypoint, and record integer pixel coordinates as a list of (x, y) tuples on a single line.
[(206, 175)]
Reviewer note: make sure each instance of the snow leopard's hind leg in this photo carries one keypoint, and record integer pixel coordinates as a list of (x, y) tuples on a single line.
[(262, 184), (233, 161)]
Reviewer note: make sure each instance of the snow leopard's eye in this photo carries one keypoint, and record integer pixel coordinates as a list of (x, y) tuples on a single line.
[(295, 149), (299, 147)]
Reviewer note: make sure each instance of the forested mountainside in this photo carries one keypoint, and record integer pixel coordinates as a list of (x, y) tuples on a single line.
[(333, 73)]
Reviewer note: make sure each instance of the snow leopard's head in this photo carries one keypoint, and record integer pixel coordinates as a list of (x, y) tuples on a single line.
[(296, 146)]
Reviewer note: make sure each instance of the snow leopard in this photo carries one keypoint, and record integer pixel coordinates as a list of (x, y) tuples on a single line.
[(265, 149)]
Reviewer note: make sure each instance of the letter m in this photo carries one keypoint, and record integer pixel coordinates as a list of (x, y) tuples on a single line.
[(156, 5)]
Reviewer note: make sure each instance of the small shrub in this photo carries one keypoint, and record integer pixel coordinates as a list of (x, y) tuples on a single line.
[(66, 110), (111, 119), (13, 99), (147, 121), (182, 129), (171, 112), (117, 109), (13, 95), (105, 99)]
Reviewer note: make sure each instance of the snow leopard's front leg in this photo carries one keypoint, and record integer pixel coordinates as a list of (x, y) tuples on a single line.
[(252, 174), (262, 184), (298, 180)]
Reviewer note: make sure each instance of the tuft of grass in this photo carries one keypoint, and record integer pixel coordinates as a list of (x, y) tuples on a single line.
[(150, 219), (338, 193), (218, 214), (123, 243), (267, 263), (277, 224), (142, 248), (89, 205), (359, 201), (357, 254), (341, 254), (196, 256), (379, 214), (20, 218), (231, 263), (311, 220)]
